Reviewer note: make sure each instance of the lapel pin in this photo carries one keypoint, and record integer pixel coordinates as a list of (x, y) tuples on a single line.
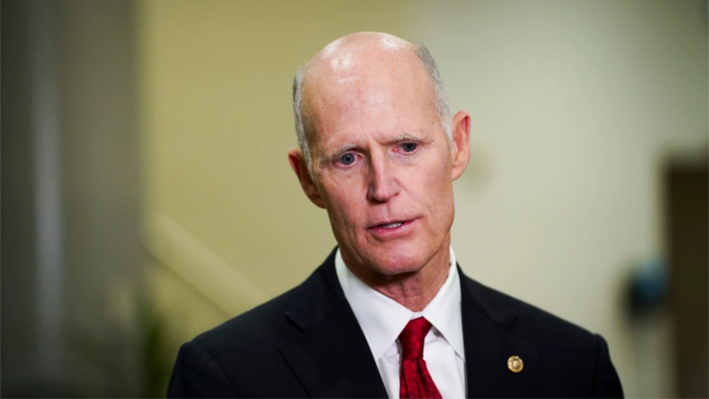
[(515, 364)]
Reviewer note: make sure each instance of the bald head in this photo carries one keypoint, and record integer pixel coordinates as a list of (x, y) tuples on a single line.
[(359, 62)]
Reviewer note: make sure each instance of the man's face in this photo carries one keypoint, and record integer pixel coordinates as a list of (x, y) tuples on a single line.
[(383, 168)]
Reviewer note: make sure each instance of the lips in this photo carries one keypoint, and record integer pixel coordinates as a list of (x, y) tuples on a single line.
[(391, 228), (392, 225), (388, 224)]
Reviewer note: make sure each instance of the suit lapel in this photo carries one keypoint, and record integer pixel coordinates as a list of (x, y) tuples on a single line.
[(330, 357), (490, 339)]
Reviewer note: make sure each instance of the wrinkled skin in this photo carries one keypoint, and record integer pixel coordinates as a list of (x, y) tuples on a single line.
[(382, 165)]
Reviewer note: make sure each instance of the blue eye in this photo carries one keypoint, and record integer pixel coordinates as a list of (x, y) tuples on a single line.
[(347, 159), (409, 147)]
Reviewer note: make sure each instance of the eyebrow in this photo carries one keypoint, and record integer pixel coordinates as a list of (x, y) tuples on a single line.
[(405, 137)]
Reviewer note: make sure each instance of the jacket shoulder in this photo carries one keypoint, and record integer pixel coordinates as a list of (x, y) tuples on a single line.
[(239, 358), (528, 320), (247, 329), (242, 356), (570, 360)]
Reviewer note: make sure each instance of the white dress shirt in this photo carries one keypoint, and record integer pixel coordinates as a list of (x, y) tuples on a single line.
[(382, 319)]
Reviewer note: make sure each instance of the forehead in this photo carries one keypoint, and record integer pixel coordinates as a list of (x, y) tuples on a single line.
[(347, 96)]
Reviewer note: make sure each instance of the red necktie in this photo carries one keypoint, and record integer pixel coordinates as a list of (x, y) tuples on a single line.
[(415, 380)]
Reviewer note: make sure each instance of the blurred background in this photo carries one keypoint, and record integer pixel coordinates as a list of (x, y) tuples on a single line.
[(146, 195)]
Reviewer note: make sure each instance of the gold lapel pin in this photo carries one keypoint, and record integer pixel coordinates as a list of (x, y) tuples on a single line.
[(515, 364)]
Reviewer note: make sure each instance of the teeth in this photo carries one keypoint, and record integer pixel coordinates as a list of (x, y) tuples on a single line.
[(392, 225)]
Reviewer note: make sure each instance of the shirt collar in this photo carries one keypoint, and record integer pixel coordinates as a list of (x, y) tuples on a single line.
[(382, 319)]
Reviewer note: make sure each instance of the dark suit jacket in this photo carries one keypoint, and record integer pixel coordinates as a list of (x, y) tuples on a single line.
[(307, 343)]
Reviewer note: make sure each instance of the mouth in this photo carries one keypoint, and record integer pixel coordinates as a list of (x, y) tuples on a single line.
[(390, 225)]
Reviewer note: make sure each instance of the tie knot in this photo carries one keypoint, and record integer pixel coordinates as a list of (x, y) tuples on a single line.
[(412, 338)]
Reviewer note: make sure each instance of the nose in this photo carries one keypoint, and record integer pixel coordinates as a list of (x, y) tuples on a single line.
[(383, 184)]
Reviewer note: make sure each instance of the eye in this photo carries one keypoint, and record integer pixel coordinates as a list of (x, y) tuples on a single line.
[(347, 158), (409, 147)]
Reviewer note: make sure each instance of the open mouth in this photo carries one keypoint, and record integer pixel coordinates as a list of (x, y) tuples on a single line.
[(390, 230), (390, 225)]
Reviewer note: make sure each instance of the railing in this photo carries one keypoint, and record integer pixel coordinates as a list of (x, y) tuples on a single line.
[(198, 266)]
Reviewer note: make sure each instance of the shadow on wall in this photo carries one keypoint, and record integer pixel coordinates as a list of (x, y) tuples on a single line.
[(72, 284), (687, 227)]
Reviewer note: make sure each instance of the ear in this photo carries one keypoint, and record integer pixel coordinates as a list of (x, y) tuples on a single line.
[(460, 146), (297, 163)]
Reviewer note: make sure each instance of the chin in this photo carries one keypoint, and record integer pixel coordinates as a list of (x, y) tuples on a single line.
[(394, 262)]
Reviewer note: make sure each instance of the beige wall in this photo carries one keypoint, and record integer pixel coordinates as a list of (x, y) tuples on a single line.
[(227, 225), (574, 107)]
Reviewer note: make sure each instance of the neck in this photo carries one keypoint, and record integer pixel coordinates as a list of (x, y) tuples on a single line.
[(413, 290)]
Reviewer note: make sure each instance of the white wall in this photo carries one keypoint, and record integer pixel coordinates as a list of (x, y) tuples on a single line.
[(574, 107)]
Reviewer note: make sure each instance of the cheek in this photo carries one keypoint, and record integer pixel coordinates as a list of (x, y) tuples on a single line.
[(436, 194), (433, 182), (343, 206)]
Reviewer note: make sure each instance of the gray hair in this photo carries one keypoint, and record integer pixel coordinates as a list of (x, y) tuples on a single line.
[(441, 100)]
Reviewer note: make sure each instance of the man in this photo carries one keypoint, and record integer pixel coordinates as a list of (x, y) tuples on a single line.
[(388, 313)]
